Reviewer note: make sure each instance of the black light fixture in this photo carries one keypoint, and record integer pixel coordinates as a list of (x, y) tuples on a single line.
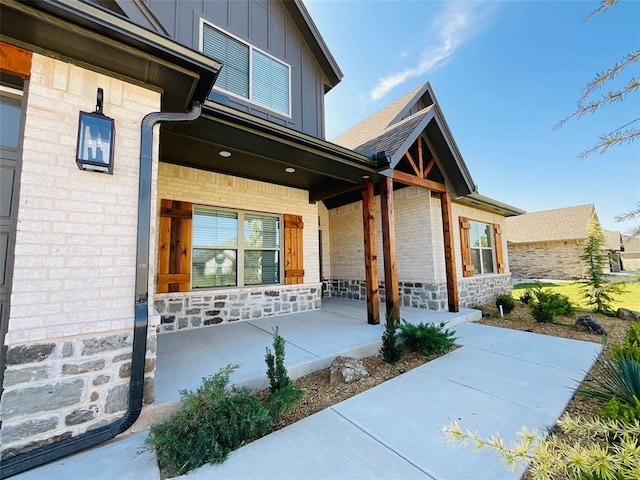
[(96, 138)]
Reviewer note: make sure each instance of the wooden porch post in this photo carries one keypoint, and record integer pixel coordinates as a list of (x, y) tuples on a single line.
[(449, 254), (389, 249), (370, 255)]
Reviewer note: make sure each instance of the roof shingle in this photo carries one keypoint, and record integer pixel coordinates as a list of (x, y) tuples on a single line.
[(571, 223)]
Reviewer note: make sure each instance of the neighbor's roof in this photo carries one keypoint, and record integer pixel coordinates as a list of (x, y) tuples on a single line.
[(631, 244), (571, 223), (612, 240)]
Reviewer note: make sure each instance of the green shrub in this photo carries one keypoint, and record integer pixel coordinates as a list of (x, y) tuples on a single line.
[(619, 378), (276, 371), (428, 338), (391, 349), (283, 393), (631, 346), (506, 300), (548, 304), (527, 296), (623, 412), (211, 422)]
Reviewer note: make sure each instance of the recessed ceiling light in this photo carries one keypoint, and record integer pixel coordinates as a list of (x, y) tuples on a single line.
[(365, 176), (290, 170), (224, 153)]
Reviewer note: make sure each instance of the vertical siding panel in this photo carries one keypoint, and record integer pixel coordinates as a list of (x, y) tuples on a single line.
[(309, 92), (276, 39), (217, 11), (165, 10), (239, 18), (259, 25), (293, 56)]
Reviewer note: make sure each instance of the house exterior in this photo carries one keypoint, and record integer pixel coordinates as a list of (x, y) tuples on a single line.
[(613, 246), (631, 253), (548, 244), (225, 202)]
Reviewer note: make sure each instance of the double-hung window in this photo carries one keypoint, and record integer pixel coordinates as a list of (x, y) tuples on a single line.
[(234, 248), (481, 247), (247, 71)]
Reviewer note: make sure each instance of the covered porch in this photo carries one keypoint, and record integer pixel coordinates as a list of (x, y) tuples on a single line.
[(314, 338)]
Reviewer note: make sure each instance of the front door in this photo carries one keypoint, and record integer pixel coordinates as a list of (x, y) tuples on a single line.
[(10, 148)]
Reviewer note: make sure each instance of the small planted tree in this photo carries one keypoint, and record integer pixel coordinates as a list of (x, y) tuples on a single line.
[(284, 394), (597, 291), (391, 349)]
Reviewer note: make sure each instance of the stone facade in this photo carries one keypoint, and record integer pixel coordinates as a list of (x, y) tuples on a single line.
[(71, 322), (473, 291), (181, 311), (553, 260)]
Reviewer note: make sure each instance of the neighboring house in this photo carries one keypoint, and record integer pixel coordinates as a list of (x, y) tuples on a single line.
[(549, 244), (613, 249), (631, 253), (234, 208)]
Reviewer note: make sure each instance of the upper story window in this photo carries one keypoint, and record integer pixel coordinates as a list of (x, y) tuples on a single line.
[(247, 71)]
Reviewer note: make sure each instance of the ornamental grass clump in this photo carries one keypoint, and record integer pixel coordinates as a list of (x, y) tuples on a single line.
[(553, 458), (428, 338)]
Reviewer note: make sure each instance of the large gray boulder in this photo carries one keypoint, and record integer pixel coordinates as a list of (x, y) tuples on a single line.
[(626, 314), (346, 370), (588, 323)]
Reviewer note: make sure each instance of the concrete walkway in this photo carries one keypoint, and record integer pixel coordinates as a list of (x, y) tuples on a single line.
[(497, 382)]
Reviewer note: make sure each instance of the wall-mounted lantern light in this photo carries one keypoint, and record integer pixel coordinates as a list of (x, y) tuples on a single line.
[(96, 138)]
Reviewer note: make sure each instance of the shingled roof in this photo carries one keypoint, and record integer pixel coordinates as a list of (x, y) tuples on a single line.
[(571, 223)]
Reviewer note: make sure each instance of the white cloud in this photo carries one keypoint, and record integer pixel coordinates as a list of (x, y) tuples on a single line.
[(456, 22)]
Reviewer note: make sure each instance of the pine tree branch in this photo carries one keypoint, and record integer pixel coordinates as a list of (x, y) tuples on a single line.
[(604, 5), (630, 215), (611, 97), (607, 75), (608, 141)]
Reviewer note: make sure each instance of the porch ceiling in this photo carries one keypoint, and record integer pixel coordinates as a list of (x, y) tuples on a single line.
[(262, 151)]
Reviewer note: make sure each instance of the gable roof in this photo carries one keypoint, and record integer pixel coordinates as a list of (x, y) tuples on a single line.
[(612, 240), (571, 223), (397, 126)]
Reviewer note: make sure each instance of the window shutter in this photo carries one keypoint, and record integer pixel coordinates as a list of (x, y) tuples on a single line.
[(497, 236), (174, 247), (293, 268), (465, 245)]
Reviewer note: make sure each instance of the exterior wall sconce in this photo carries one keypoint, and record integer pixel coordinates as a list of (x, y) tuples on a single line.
[(96, 138)]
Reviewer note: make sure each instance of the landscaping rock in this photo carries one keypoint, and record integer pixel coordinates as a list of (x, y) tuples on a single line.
[(346, 370), (626, 314), (587, 323)]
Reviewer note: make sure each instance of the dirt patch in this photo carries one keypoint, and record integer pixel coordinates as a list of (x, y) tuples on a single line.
[(320, 394)]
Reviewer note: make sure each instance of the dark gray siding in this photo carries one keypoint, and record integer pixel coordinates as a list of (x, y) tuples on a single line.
[(266, 25)]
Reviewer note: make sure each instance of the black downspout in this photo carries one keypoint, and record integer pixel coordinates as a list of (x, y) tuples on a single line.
[(49, 453)]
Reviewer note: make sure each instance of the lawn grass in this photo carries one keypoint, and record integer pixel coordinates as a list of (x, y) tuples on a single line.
[(629, 299)]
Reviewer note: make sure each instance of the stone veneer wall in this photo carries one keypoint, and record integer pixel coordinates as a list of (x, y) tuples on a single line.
[(554, 260), (181, 311), (433, 296), (69, 339)]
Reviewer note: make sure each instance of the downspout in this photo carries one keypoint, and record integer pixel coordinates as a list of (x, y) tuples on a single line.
[(49, 453)]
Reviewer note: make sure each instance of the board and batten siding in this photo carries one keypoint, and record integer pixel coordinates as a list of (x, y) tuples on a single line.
[(267, 26)]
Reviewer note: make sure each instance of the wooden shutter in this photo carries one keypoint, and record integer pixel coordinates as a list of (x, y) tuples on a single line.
[(465, 245), (174, 247), (497, 238), (293, 267)]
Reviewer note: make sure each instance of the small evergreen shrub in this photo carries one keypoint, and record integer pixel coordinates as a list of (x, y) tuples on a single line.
[(428, 338), (506, 300), (546, 305), (620, 411), (543, 312), (283, 393), (527, 296), (631, 346), (211, 422), (391, 349)]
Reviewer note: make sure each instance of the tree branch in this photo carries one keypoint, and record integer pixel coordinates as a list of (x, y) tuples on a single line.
[(607, 141), (607, 75), (604, 5), (611, 97)]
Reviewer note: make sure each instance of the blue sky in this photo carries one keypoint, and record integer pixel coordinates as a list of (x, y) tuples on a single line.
[(504, 74)]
